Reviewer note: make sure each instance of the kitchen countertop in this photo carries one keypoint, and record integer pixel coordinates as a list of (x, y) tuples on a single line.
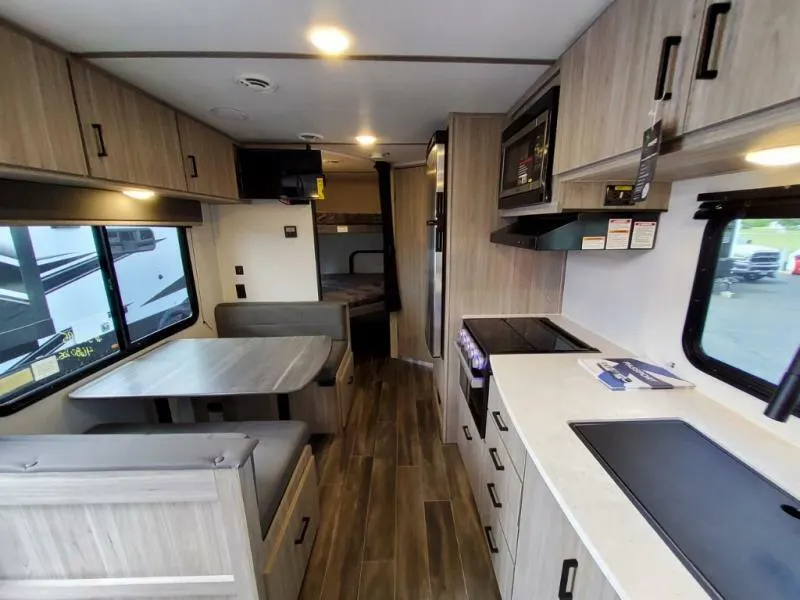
[(544, 393)]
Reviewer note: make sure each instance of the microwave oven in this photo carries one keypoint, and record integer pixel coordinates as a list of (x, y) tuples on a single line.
[(528, 146)]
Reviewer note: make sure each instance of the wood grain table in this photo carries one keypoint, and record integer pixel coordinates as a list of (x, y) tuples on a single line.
[(218, 367)]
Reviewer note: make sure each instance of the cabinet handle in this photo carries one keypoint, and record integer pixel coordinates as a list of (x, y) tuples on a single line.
[(501, 425), (466, 433), (670, 42), (101, 143), (193, 166), (301, 539), (350, 379), (496, 459), (492, 546), (567, 585), (715, 11), (495, 502)]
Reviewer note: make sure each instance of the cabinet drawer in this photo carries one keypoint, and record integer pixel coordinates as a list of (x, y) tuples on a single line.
[(502, 486), (287, 559), (502, 561), (498, 415)]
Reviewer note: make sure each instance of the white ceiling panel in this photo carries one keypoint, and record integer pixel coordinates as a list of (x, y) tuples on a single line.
[(508, 28), (398, 102)]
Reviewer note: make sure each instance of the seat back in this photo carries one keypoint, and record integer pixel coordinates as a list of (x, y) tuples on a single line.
[(277, 319)]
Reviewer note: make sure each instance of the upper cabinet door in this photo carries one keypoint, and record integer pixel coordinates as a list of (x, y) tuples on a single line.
[(748, 59), (128, 136), (208, 159), (38, 124), (636, 51)]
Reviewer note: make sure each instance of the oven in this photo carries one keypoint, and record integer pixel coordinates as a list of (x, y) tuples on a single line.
[(474, 391)]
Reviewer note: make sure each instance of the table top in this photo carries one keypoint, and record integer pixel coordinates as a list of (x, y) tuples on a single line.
[(215, 367)]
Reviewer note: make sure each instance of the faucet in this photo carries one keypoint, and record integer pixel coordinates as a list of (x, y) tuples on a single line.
[(787, 397)]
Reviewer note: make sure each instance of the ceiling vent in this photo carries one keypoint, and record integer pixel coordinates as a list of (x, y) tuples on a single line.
[(310, 138), (256, 83)]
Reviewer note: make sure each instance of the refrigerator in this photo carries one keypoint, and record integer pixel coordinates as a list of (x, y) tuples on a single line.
[(437, 219)]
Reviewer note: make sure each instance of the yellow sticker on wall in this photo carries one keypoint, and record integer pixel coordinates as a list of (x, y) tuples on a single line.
[(13, 382), (320, 188)]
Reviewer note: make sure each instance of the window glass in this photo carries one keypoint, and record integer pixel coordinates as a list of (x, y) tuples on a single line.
[(55, 316), (753, 317), (149, 268)]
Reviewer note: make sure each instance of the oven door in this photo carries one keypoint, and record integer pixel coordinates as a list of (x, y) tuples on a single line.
[(474, 392)]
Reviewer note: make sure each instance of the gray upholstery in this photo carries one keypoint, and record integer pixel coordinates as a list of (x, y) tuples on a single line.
[(76, 453), (280, 444), (276, 319)]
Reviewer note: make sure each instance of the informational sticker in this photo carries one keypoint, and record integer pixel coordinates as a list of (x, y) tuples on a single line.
[(320, 188), (619, 234), (342, 229), (644, 235), (12, 382), (47, 367), (651, 146), (593, 242)]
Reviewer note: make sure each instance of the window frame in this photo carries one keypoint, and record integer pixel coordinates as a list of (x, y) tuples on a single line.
[(116, 306), (720, 210)]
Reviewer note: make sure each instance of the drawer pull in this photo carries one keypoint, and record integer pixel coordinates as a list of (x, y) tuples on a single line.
[(467, 434), (302, 538), (569, 570), (715, 11), (489, 540), (670, 42), (101, 143), (496, 459), (495, 502), (501, 425), (193, 166), (350, 379)]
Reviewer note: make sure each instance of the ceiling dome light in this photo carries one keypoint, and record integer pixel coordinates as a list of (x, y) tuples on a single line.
[(366, 140), (329, 40), (775, 157), (229, 114), (139, 194)]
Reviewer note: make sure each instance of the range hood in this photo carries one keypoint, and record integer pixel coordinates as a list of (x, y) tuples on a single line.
[(598, 230), (291, 176)]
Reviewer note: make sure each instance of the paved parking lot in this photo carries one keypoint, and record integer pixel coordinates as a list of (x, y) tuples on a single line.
[(758, 328)]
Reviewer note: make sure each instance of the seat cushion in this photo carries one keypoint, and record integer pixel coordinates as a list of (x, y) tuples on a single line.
[(280, 444), (276, 319), (327, 375)]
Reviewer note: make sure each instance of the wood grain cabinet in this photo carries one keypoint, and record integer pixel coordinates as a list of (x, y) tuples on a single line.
[(747, 59), (128, 136), (38, 124), (208, 159)]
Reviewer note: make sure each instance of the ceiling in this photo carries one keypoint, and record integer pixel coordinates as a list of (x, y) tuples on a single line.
[(402, 101)]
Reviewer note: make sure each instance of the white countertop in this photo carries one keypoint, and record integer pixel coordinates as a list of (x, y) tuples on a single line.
[(545, 392)]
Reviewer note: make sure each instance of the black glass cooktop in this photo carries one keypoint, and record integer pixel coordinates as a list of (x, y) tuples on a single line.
[(523, 335)]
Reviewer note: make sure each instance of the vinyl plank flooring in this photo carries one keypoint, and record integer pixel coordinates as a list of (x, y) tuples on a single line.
[(411, 555), (447, 577), (434, 470), (386, 441), (377, 581), (380, 536), (367, 420), (329, 501), (387, 410), (409, 452)]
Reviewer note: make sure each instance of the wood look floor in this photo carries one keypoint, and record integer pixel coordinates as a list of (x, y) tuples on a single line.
[(397, 515)]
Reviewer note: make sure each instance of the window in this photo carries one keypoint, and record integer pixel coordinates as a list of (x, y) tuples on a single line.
[(743, 324), (74, 299)]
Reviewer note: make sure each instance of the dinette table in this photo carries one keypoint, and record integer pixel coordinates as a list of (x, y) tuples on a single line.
[(180, 370)]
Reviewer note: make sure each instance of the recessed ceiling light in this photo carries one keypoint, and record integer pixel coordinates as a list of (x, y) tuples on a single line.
[(329, 40), (229, 114), (139, 194), (366, 139), (310, 138), (256, 83), (775, 157)]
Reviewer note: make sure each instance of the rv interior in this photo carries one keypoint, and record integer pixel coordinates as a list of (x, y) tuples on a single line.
[(417, 301)]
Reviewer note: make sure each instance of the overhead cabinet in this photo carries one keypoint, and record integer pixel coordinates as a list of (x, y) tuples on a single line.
[(208, 159), (38, 124), (128, 136)]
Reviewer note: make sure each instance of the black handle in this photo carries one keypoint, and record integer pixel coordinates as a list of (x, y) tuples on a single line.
[(570, 566), (496, 459), (715, 11), (466, 433), (670, 42), (301, 539), (350, 380), (492, 546), (501, 425), (432, 222), (495, 502), (101, 143), (193, 165)]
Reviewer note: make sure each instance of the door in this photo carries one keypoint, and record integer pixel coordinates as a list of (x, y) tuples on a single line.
[(434, 325), (747, 60), (208, 160), (38, 123), (128, 136)]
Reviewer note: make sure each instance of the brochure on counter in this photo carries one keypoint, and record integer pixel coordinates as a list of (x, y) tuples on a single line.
[(620, 374)]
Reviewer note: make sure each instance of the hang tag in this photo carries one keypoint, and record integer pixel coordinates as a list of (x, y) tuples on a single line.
[(651, 146)]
